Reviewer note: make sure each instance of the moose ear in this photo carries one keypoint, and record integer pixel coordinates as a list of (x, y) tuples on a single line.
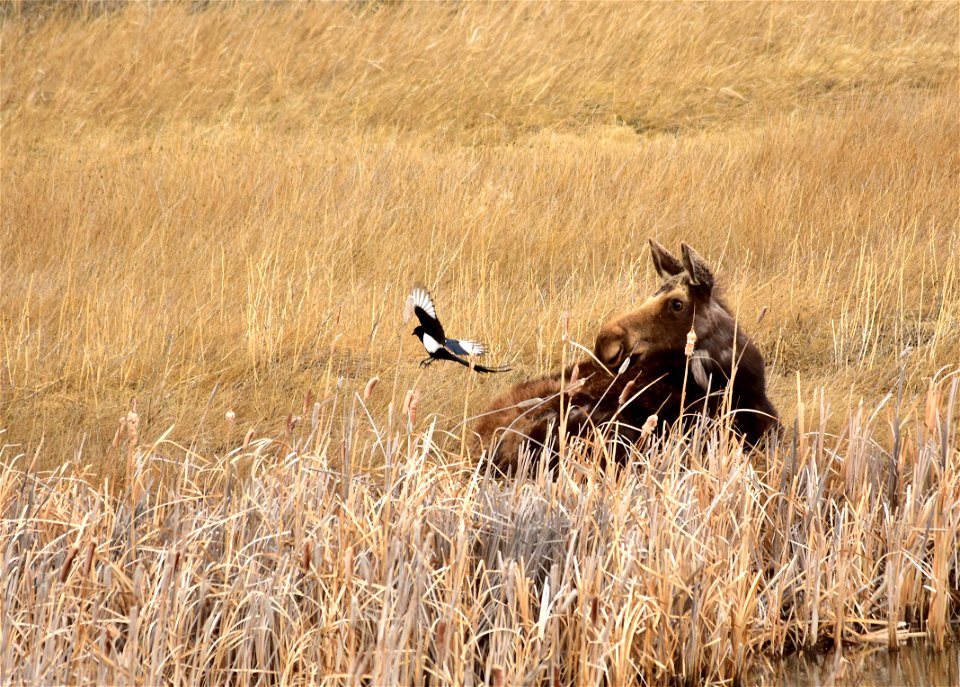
[(695, 267), (664, 261), (703, 368)]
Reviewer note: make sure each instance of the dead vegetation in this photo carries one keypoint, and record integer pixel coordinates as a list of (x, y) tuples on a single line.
[(212, 211), (385, 559)]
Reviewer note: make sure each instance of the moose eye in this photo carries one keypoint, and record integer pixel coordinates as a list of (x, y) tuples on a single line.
[(676, 305)]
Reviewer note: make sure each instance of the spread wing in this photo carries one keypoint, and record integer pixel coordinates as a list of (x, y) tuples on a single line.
[(466, 347), (426, 312)]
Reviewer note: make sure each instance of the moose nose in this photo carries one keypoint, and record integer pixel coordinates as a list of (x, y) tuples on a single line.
[(610, 346)]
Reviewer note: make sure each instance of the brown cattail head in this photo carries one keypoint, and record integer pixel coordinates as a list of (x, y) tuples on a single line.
[(133, 423), (649, 427), (410, 404), (441, 638), (88, 559), (307, 556), (626, 393), (368, 389), (763, 313), (68, 563)]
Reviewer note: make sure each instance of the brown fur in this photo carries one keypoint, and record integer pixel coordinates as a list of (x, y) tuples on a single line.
[(653, 337)]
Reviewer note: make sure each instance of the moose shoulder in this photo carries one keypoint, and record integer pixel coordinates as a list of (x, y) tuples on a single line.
[(641, 369)]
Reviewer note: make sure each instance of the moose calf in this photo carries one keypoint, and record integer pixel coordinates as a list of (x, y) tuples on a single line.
[(643, 366)]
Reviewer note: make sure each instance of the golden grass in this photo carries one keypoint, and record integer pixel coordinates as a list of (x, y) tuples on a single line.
[(213, 208)]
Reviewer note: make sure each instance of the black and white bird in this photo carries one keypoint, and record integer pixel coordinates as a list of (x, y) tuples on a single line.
[(431, 335)]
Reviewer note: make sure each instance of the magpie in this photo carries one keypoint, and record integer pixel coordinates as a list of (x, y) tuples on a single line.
[(431, 335)]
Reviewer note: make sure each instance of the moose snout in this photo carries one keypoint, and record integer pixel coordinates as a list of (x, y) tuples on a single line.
[(612, 345)]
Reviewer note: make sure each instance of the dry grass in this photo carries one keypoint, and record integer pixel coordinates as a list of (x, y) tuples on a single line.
[(385, 561), (222, 207), (238, 199)]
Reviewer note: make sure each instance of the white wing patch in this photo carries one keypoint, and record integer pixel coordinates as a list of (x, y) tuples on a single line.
[(466, 347), (431, 344), (421, 298)]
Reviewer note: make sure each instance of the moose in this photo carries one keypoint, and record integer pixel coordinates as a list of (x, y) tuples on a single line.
[(682, 351)]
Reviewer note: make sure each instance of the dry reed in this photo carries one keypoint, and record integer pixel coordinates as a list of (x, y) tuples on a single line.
[(384, 559), (217, 207)]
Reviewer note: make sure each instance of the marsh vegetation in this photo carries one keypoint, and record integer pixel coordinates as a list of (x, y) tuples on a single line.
[(212, 215)]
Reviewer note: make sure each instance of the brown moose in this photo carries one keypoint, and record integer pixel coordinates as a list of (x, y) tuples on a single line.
[(640, 369)]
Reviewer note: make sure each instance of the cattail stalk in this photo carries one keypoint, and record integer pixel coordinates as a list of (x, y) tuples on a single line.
[(688, 354)]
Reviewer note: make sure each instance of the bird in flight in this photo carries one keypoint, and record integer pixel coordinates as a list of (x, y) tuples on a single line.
[(431, 335)]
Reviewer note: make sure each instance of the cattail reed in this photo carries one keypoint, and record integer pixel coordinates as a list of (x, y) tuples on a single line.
[(233, 232), (368, 389), (691, 342), (649, 427), (89, 558), (68, 563), (410, 402), (446, 553), (307, 556), (627, 392), (763, 313)]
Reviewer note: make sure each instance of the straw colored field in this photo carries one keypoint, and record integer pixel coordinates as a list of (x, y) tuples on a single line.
[(222, 207)]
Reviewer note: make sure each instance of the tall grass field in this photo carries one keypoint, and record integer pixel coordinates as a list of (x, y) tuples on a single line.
[(220, 462)]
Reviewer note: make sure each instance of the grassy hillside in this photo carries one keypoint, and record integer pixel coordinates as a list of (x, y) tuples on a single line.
[(237, 198), (212, 214)]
